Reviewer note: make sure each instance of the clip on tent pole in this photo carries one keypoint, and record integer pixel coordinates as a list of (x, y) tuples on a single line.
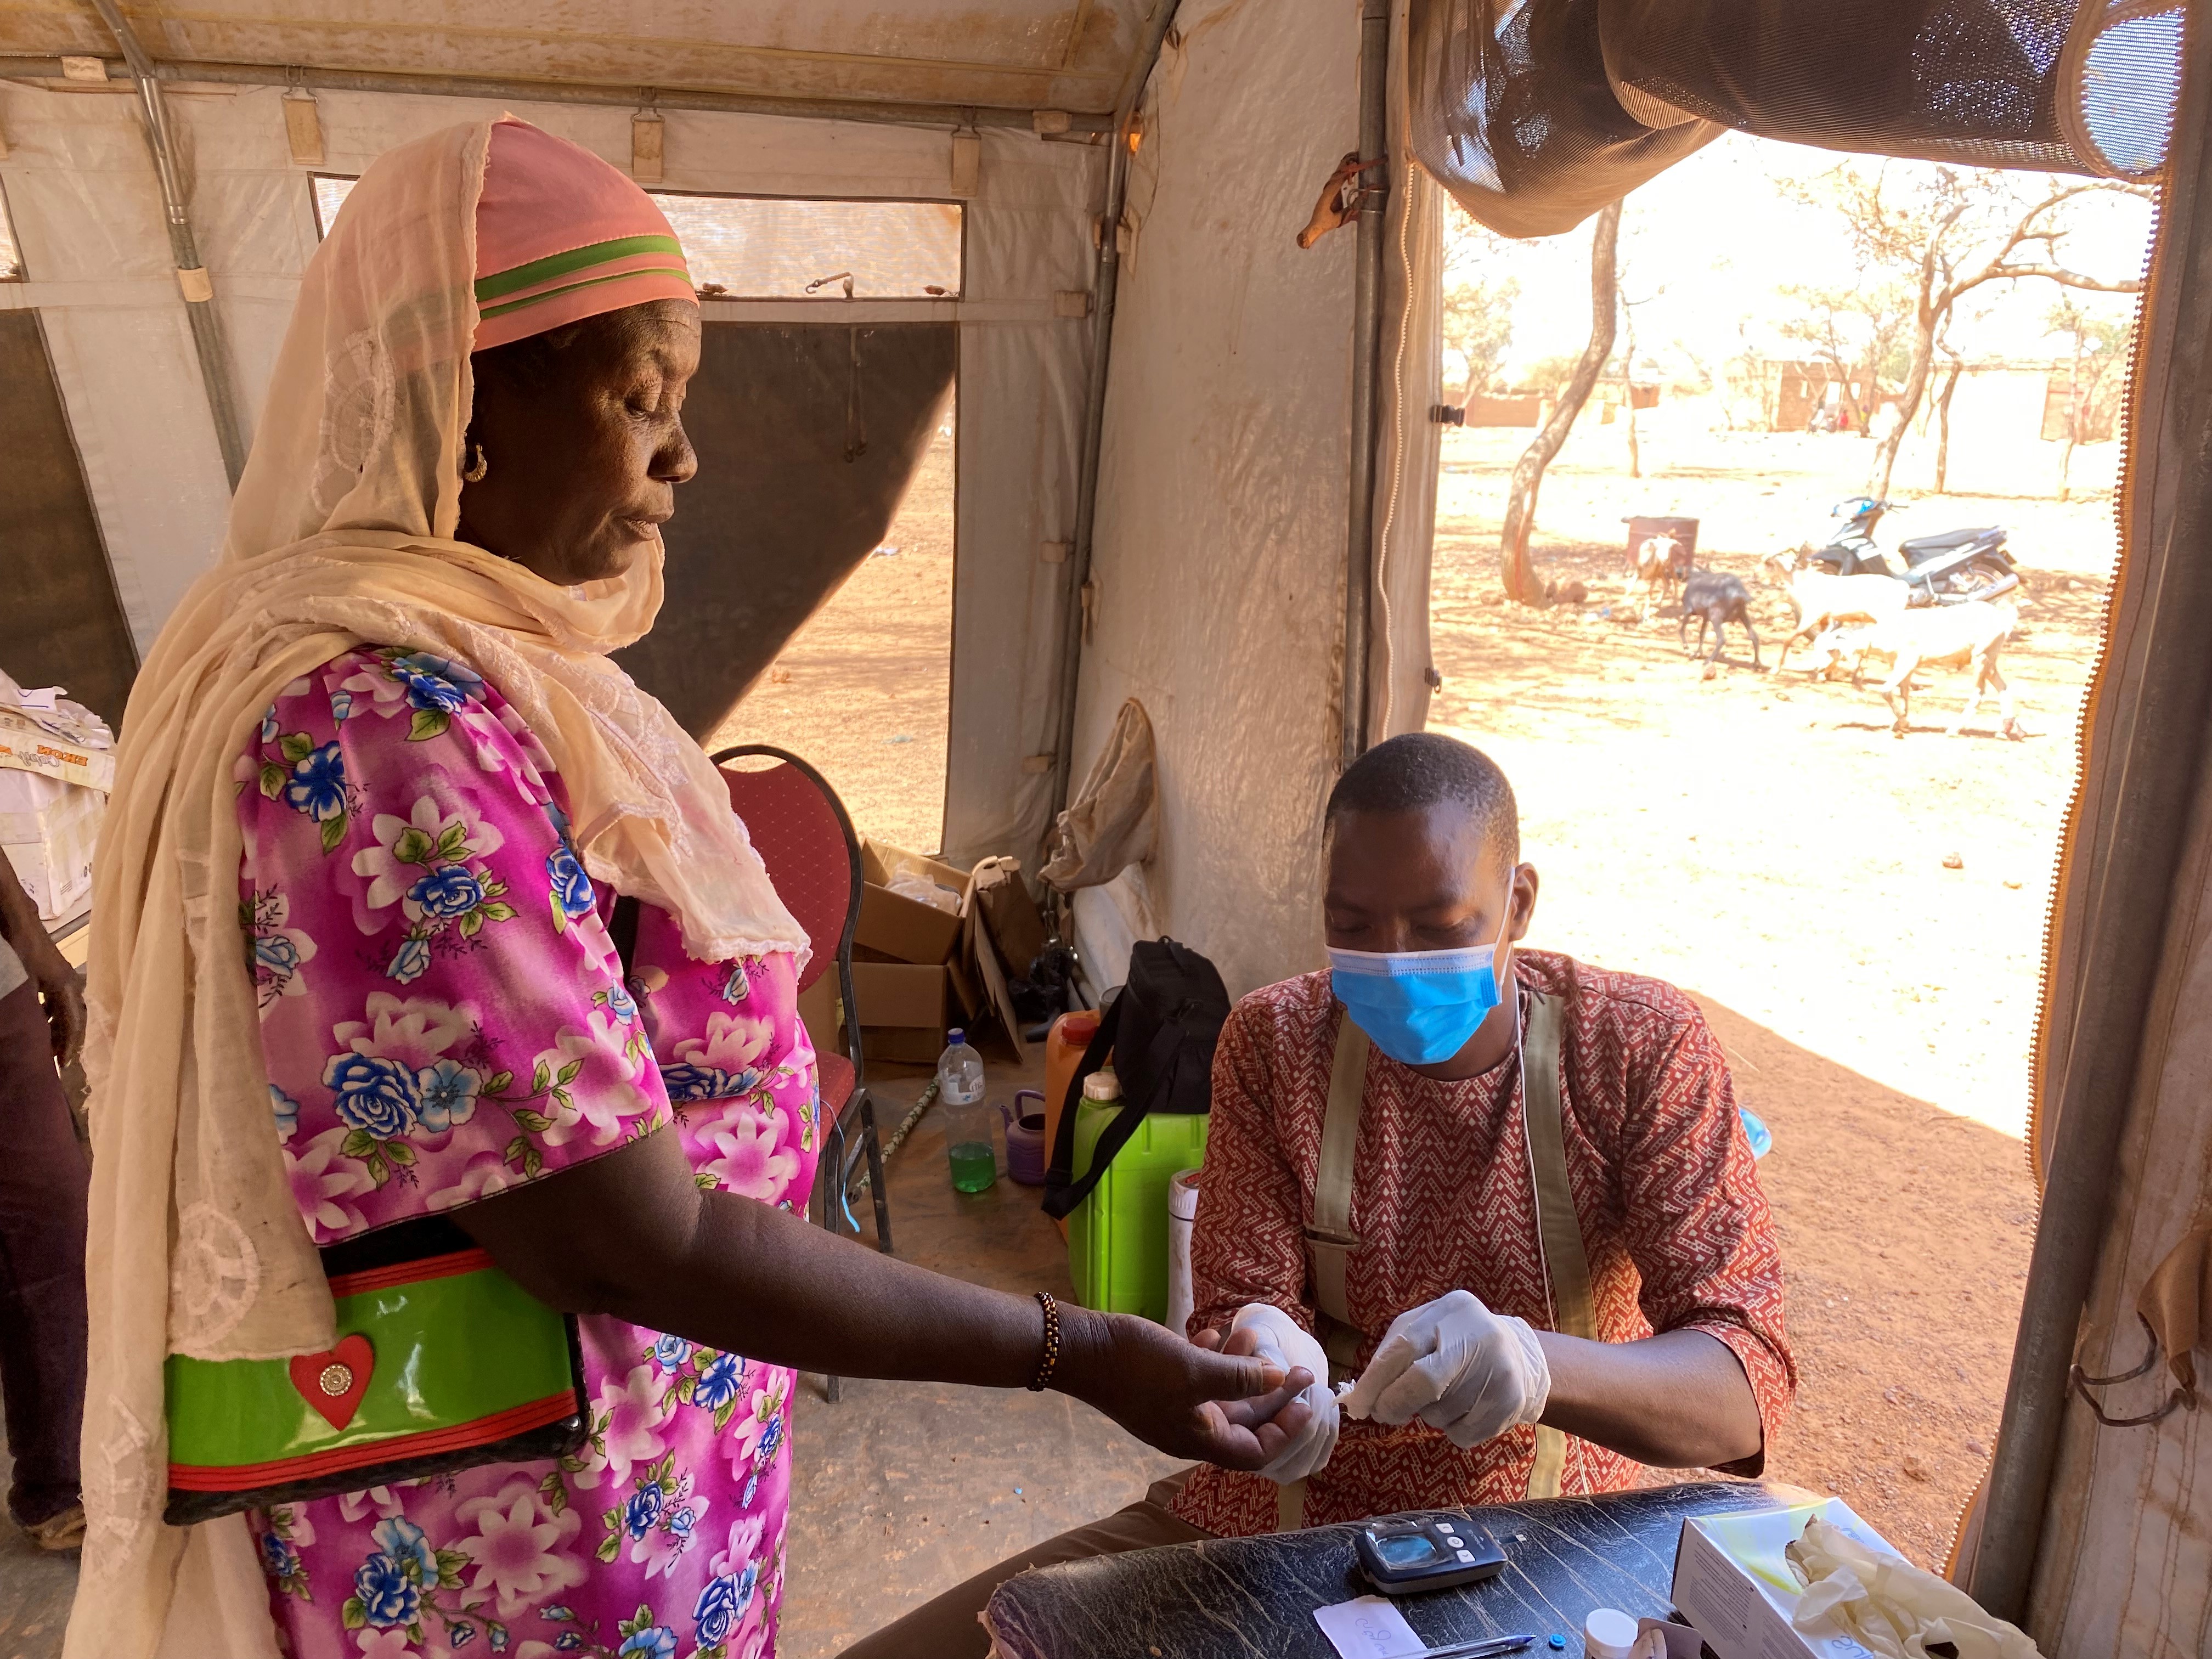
[(1366, 366), (192, 275), (1094, 407)]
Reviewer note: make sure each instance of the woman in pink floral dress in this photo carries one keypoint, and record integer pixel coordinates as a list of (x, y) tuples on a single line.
[(390, 711), (443, 1015)]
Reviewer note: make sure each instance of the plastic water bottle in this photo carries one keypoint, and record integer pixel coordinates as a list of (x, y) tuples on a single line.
[(967, 1122)]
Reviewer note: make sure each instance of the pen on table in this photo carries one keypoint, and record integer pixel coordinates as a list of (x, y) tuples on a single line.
[(1488, 1648)]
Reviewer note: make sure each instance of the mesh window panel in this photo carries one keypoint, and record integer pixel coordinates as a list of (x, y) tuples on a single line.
[(1534, 114), (2046, 84), (1513, 114)]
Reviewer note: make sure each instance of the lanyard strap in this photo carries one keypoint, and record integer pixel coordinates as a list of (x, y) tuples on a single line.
[(1330, 1240), (1566, 1264)]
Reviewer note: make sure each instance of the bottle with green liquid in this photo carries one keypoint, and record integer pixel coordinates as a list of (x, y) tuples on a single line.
[(967, 1142)]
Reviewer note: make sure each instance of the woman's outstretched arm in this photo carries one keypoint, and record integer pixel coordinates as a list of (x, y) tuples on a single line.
[(632, 1235)]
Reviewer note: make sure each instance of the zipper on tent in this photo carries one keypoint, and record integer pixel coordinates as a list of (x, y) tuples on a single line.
[(2124, 504), (2124, 523)]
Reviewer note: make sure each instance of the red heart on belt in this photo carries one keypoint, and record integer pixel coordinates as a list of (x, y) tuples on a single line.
[(333, 1382)]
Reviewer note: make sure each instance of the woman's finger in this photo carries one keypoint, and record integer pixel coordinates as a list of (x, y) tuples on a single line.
[(1234, 1445), (1249, 1413), (1232, 1376)]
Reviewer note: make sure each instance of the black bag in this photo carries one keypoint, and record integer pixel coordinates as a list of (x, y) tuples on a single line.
[(1160, 1034)]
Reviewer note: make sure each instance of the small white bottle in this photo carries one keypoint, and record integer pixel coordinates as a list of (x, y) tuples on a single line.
[(1608, 1633)]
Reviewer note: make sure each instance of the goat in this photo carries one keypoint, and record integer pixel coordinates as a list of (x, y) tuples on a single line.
[(1820, 601), (1716, 597), (1968, 635), (1659, 566)]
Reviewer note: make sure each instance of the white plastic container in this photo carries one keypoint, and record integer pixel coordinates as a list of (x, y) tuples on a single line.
[(1608, 1633)]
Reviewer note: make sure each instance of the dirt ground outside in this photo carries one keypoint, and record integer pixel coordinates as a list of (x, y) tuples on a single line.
[(1763, 841), (863, 689), (1758, 838)]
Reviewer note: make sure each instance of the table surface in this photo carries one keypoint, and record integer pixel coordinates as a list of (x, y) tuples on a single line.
[(1241, 1598)]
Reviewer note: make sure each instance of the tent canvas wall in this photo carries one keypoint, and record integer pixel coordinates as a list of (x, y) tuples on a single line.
[(87, 213), (1228, 422)]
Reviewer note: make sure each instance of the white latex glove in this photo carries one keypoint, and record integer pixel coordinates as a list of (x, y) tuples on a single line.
[(1458, 1367), (1279, 1337)]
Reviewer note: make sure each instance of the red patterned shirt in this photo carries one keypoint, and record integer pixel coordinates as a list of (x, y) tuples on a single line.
[(1676, 1229)]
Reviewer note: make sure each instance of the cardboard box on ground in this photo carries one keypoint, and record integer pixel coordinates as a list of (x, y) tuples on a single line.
[(920, 968)]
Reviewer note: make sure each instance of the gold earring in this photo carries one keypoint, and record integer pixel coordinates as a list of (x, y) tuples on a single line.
[(475, 474)]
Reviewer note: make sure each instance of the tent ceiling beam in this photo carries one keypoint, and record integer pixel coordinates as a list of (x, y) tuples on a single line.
[(1105, 285), (2144, 752), (192, 283), (579, 92)]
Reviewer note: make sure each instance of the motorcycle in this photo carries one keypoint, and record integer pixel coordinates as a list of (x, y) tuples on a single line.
[(1949, 569)]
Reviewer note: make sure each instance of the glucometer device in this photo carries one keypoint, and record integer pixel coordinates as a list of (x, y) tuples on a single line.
[(1409, 1554)]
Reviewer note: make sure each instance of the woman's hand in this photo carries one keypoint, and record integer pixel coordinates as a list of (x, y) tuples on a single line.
[(1262, 1328), (1238, 1410), (63, 997)]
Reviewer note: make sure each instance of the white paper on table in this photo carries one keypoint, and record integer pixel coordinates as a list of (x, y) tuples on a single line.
[(1369, 1628), (42, 698)]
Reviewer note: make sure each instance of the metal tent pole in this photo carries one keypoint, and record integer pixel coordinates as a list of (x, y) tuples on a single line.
[(1094, 415), (1366, 366), (192, 275)]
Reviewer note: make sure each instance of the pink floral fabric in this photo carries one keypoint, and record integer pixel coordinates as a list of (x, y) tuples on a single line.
[(444, 1015)]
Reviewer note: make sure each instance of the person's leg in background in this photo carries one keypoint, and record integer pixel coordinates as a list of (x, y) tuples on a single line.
[(951, 1627), (43, 1176)]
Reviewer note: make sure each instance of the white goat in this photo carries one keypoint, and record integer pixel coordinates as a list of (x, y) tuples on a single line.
[(1968, 635), (1820, 601)]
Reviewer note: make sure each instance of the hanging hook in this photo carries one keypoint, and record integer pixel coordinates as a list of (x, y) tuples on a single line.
[(2079, 1380)]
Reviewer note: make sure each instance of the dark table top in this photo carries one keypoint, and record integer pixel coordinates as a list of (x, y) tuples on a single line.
[(1253, 1598)]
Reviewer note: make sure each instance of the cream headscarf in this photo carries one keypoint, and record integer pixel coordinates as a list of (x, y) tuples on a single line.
[(340, 534)]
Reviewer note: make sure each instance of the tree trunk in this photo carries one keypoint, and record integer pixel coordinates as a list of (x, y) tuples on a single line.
[(1515, 565), (1628, 385), (1943, 428), (2073, 422), (1929, 325)]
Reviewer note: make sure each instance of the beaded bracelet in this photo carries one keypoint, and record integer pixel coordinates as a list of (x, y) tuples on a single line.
[(1050, 1362)]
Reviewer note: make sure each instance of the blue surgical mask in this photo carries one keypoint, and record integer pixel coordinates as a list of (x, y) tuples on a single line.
[(1419, 1007)]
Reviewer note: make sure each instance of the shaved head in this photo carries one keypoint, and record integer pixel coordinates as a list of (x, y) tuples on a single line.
[(1424, 770)]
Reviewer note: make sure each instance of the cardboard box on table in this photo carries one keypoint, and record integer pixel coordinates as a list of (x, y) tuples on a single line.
[(49, 829), (1734, 1584), (33, 746)]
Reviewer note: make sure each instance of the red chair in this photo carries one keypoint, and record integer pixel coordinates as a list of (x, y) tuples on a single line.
[(799, 829)]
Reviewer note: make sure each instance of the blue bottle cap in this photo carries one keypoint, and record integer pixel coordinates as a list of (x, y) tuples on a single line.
[(1558, 1642), (955, 1035)]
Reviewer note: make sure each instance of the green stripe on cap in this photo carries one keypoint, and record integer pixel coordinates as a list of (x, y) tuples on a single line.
[(576, 259), (677, 271)]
